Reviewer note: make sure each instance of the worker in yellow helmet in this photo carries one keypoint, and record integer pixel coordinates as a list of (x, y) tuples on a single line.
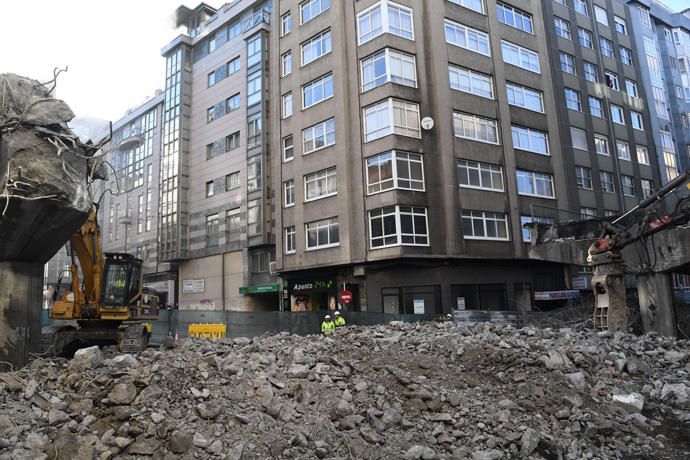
[(339, 320), (328, 326)]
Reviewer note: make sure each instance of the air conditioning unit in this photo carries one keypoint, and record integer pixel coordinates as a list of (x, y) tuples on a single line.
[(273, 268)]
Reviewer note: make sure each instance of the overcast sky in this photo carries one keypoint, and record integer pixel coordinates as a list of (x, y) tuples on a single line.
[(112, 48)]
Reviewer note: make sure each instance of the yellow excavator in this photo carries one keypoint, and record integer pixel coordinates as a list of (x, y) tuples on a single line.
[(107, 307)]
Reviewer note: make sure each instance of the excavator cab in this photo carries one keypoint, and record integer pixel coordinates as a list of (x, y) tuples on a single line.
[(121, 279)]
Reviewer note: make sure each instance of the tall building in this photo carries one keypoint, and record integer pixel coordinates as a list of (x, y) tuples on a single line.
[(663, 55), (128, 200), (215, 224), (415, 138), (602, 111)]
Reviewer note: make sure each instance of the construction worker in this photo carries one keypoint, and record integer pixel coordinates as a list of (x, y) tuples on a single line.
[(328, 326), (339, 320)]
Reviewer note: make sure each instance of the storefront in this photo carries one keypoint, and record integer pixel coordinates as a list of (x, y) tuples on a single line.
[(311, 294)]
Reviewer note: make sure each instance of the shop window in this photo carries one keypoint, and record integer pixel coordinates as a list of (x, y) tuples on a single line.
[(479, 296), (412, 300)]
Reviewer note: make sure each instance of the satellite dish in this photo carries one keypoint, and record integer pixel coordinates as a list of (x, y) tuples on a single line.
[(427, 123)]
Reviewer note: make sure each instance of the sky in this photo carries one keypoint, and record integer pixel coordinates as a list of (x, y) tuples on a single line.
[(112, 48)]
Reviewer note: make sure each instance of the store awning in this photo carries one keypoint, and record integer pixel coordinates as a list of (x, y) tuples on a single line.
[(261, 289)]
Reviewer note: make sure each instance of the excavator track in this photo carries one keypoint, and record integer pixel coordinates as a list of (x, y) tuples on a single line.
[(56, 340), (134, 338)]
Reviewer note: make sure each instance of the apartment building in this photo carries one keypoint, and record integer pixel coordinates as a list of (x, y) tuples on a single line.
[(215, 226), (604, 117), (663, 54), (415, 139)]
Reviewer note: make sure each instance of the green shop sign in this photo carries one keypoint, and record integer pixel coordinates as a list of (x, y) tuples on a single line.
[(260, 289)]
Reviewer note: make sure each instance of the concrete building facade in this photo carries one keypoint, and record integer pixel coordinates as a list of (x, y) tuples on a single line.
[(663, 55), (215, 214), (416, 138)]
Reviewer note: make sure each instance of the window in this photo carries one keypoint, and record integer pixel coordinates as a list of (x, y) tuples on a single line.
[(232, 103), (579, 138), (232, 141), (254, 50), (254, 131), (234, 66), (469, 81), (474, 127), (398, 225), (583, 177), (322, 234), (591, 72), (606, 47), (535, 184), (254, 88), (485, 176), (233, 224), (611, 80), (288, 148), (626, 55), (287, 105), (642, 155), (568, 63), (395, 169), (530, 140), (636, 118), (601, 145), (254, 173), (532, 219), (467, 37), (289, 193), (620, 25), (588, 213), (484, 225), (617, 114), (320, 184), (254, 217), (211, 79), (318, 136), (581, 7), (286, 64), (316, 47), (312, 8), (209, 189), (606, 179), (212, 43), (600, 15), (290, 247), (385, 17), (388, 66), (647, 187), (140, 213), (527, 98), (514, 17), (596, 107), (474, 5), (562, 27), (519, 56), (210, 114), (562, 2), (232, 180), (644, 15), (258, 262), (585, 37), (285, 24), (317, 91), (391, 116), (631, 88), (212, 230), (573, 100), (623, 150), (628, 185)]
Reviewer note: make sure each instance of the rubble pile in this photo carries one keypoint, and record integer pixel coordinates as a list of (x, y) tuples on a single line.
[(411, 391)]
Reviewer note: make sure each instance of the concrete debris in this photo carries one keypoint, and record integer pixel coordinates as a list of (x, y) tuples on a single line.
[(511, 393)]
